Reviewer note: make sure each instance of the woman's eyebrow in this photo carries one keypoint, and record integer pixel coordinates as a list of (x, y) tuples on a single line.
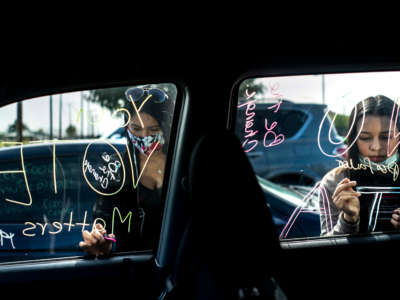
[(387, 132), (368, 132), (136, 125)]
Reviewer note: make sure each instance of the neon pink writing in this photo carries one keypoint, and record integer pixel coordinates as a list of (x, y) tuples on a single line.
[(278, 139), (278, 106), (250, 106), (249, 144), (249, 96)]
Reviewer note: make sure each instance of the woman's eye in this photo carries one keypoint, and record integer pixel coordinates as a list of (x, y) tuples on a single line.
[(364, 138)]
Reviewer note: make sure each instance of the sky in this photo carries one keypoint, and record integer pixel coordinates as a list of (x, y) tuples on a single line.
[(36, 115), (342, 92), (97, 121)]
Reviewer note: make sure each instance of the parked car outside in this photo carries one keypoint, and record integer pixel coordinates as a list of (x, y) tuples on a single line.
[(116, 135), (52, 225), (295, 209), (297, 158), (44, 210)]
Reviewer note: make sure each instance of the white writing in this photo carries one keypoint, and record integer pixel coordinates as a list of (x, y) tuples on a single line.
[(5, 235), (107, 171), (392, 168)]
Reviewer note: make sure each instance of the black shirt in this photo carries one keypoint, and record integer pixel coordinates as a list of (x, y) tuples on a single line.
[(133, 214)]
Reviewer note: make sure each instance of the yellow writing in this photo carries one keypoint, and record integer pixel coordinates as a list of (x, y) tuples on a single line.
[(19, 171), (36, 228), (90, 119), (96, 221), (53, 159), (134, 182), (58, 225), (54, 169), (137, 110), (129, 215), (84, 173), (127, 112), (78, 116), (32, 227)]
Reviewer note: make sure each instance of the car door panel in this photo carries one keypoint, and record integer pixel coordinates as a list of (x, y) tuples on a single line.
[(339, 267), (85, 275)]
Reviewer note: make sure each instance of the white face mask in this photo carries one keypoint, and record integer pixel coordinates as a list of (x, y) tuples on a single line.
[(387, 162)]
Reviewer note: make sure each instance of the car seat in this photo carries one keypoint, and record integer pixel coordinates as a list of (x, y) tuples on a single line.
[(230, 248)]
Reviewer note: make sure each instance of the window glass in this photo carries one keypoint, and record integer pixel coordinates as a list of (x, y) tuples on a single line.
[(325, 150), (70, 162), (294, 121)]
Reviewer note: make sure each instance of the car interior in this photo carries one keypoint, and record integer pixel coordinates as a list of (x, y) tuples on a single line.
[(217, 239)]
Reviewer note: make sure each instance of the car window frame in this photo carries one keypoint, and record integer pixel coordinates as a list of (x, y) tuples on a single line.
[(282, 71), (174, 136)]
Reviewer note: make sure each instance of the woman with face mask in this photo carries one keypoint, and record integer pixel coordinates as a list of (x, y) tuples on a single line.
[(136, 222), (351, 198)]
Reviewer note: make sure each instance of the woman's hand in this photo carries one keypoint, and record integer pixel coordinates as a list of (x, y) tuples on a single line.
[(346, 199), (396, 219), (94, 242)]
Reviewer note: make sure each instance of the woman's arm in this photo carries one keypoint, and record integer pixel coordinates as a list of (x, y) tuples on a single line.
[(339, 205)]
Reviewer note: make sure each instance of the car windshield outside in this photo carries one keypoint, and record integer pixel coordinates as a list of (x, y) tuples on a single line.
[(325, 150), (61, 176)]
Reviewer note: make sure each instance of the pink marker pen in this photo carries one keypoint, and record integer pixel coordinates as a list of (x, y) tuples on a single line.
[(109, 238)]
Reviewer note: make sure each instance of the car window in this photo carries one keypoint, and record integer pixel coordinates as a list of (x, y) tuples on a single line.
[(71, 161), (325, 150)]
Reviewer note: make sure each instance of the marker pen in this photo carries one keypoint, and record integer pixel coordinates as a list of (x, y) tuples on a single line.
[(109, 238)]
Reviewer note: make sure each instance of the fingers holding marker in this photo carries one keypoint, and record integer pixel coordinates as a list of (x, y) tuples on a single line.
[(97, 236), (344, 202), (87, 237), (97, 242), (344, 180), (83, 245), (346, 199), (101, 229), (345, 196), (344, 185), (396, 218)]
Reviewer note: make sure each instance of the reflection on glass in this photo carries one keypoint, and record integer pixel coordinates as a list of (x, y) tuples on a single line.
[(332, 137)]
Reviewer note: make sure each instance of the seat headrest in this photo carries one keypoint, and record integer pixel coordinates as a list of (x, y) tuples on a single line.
[(232, 225)]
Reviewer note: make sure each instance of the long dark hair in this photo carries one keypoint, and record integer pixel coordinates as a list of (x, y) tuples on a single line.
[(380, 106)]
